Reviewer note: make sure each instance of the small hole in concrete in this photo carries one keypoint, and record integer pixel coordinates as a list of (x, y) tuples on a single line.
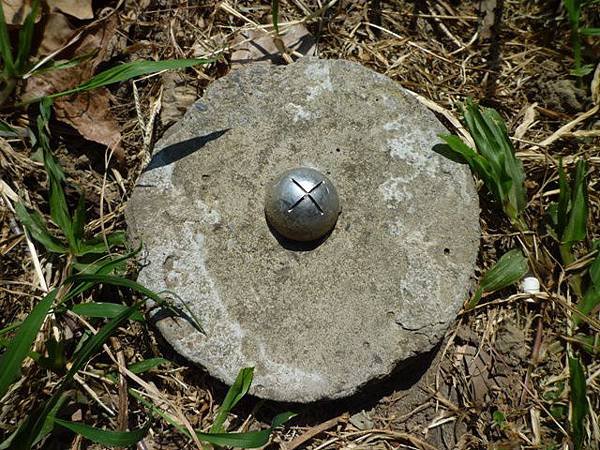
[(337, 150), (446, 251)]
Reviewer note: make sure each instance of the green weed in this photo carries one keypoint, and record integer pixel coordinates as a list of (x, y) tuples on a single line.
[(494, 160), (574, 10)]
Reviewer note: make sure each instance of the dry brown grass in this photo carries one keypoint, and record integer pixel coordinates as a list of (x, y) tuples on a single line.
[(508, 355)]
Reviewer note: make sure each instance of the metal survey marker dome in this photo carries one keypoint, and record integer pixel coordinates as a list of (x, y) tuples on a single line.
[(318, 317)]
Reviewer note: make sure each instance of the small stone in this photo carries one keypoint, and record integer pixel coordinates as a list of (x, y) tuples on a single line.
[(530, 285), (316, 320)]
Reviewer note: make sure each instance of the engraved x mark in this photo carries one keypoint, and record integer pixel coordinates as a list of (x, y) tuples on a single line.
[(307, 194)]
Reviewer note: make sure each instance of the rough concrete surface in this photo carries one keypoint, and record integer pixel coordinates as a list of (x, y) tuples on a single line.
[(316, 322)]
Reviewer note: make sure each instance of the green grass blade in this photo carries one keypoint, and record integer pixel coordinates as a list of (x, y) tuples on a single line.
[(78, 221), (105, 437), (34, 223), (251, 439), (159, 412), (90, 280), (579, 403), (89, 348), (25, 38), (130, 70), (95, 342), (103, 266), (576, 228), (19, 347), (146, 365), (564, 200), (275, 14), (235, 393), (113, 280), (594, 270), (103, 310), (590, 31), (5, 47)]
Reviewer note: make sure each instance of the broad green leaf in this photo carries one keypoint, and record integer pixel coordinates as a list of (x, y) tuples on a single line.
[(509, 269), (5, 46), (251, 439), (34, 223), (7, 130), (588, 302), (127, 71), (494, 161), (98, 245), (576, 227), (25, 38), (105, 437), (236, 392), (579, 403), (17, 351), (103, 310)]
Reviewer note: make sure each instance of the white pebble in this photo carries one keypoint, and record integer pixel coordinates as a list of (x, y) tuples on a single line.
[(530, 285)]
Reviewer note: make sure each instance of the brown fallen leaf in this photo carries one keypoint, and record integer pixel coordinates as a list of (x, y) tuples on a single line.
[(89, 112), (15, 11), (259, 46), (56, 33), (82, 9), (178, 96)]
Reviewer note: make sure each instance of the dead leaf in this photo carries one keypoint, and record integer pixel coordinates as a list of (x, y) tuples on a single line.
[(82, 9), (177, 97), (15, 11), (259, 46), (487, 12), (528, 119), (56, 33), (89, 113)]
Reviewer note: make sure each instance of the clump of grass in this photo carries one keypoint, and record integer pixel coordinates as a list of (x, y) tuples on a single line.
[(574, 10), (494, 160)]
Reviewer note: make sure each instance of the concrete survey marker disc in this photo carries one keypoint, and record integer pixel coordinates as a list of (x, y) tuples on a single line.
[(316, 320)]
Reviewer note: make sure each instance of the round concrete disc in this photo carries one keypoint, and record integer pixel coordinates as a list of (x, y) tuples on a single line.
[(316, 321)]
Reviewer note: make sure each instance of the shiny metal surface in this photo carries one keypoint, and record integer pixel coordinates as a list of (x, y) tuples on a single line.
[(302, 204)]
